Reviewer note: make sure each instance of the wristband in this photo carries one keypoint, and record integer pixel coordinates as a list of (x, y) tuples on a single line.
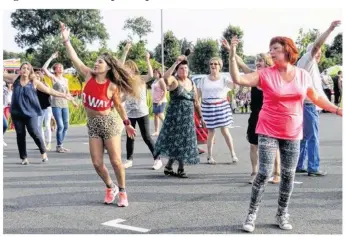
[(126, 122)]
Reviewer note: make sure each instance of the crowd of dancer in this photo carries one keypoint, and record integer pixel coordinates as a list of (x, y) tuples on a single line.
[(282, 127)]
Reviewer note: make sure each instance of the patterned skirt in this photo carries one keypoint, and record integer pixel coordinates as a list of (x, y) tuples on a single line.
[(217, 115)]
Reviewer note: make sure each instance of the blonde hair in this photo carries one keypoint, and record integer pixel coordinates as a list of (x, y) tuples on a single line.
[(130, 64), (218, 59), (266, 58)]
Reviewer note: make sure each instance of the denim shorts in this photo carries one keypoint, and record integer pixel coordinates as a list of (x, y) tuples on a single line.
[(158, 109)]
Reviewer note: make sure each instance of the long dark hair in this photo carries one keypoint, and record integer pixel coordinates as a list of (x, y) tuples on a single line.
[(120, 76)]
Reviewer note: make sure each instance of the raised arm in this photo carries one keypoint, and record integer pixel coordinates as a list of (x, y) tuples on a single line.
[(251, 79), (238, 59), (126, 51), (322, 38), (71, 53), (170, 80), (45, 66), (150, 74)]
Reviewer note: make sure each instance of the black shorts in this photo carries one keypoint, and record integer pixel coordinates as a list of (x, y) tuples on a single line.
[(252, 137)]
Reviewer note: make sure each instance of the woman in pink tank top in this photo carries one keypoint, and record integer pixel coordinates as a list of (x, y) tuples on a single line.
[(158, 90), (280, 121)]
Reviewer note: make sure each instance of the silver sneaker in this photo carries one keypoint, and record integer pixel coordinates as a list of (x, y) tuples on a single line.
[(249, 224), (157, 164), (210, 160), (128, 164), (283, 223), (25, 162)]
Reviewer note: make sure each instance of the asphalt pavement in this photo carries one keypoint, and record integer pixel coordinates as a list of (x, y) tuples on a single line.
[(65, 195)]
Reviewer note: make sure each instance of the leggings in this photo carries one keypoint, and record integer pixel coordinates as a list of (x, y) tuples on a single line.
[(143, 123), (289, 152)]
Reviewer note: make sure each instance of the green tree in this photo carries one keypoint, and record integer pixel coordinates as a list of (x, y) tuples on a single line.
[(12, 55), (138, 26), (228, 34), (34, 25), (304, 39), (171, 49), (204, 50)]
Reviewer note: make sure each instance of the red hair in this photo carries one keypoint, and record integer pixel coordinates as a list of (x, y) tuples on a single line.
[(290, 48)]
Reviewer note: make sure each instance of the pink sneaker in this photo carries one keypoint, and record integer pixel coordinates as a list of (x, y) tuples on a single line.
[(123, 202), (111, 193)]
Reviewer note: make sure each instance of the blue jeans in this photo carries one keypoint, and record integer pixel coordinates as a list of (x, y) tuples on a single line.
[(4, 124), (310, 143), (61, 116)]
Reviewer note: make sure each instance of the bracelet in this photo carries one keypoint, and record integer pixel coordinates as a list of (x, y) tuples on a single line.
[(126, 122)]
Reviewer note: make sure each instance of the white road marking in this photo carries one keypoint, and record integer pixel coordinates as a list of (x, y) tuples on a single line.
[(297, 182), (115, 223), (86, 143), (235, 127)]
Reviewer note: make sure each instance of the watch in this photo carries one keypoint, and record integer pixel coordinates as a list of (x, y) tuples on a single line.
[(126, 122)]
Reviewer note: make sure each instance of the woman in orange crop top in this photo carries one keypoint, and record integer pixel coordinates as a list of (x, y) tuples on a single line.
[(104, 84)]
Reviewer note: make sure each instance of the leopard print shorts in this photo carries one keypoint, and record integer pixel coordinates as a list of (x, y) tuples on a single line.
[(105, 127)]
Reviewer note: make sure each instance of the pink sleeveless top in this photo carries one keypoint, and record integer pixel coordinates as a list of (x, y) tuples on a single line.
[(157, 92), (282, 111)]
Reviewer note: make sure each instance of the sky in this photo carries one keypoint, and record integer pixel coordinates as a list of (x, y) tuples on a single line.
[(258, 25)]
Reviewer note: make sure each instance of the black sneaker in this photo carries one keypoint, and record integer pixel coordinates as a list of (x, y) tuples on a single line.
[(301, 171), (318, 173)]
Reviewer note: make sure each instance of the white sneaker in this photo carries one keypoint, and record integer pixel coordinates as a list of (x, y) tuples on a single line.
[(128, 164), (157, 164), (25, 161), (282, 221), (234, 159), (249, 224), (210, 160)]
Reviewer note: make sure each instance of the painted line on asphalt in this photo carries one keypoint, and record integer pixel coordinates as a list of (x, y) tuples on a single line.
[(86, 143), (235, 127), (297, 182), (115, 223)]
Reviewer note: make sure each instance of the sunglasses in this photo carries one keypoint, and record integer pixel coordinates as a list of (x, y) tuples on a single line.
[(211, 64)]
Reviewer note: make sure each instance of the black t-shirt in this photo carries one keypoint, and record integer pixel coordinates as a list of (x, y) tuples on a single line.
[(336, 84), (44, 99), (256, 100)]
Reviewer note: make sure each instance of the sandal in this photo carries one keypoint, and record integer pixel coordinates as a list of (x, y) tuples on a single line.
[(168, 171), (181, 174)]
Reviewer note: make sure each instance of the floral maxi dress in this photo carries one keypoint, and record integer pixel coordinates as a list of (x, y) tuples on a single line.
[(177, 138)]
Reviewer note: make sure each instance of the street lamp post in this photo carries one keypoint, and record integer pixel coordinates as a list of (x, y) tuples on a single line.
[(162, 54)]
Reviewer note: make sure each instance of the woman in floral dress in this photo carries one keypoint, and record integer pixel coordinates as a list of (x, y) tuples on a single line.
[(177, 138)]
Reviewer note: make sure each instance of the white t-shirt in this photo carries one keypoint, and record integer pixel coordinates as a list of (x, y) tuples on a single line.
[(309, 64), (214, 91)]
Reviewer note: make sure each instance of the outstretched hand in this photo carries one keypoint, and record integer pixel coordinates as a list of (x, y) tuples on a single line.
[(225, 44), (65, 31), (55, 55), (130, 131), (181, 58), (334, 24)]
